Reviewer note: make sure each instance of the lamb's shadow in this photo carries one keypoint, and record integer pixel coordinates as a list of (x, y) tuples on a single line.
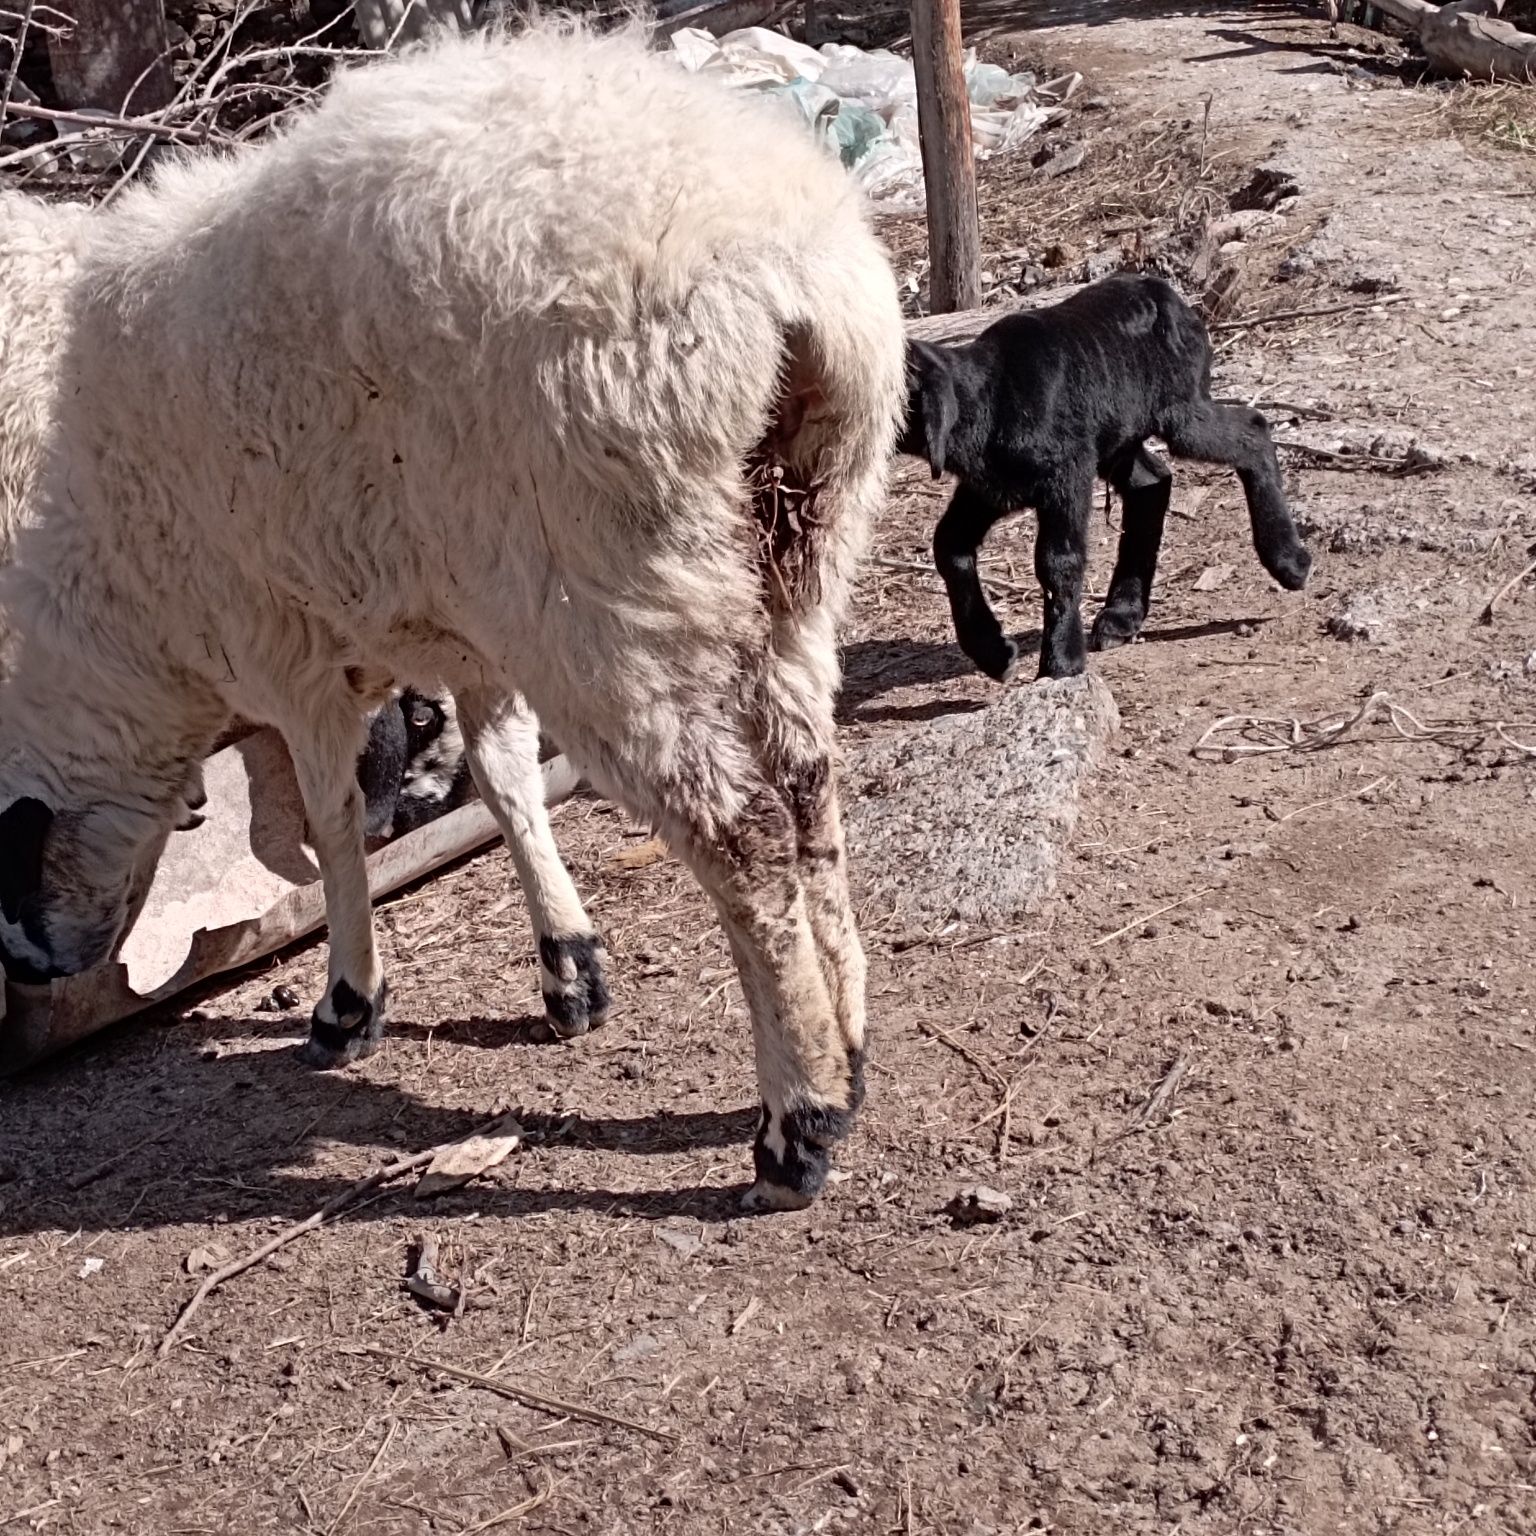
[(134, 1132), (872, 668), (1158, 634), (1325, 55)]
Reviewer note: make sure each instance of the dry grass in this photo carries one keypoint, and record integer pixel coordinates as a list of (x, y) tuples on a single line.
[(1145, 193), (1503, 116)]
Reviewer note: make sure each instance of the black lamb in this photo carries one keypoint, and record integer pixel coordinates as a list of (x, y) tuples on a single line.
[(1042, 402)]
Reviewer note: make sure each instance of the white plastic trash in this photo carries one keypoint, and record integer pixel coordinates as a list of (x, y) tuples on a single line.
[(862, 103)]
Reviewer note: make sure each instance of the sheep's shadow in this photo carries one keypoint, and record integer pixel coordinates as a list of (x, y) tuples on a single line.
[(134, 1132)]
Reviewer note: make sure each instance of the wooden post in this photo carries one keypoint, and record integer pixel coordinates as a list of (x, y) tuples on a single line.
[(116, 56), (949, 164)]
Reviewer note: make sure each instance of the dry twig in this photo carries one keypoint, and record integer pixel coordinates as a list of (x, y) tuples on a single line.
[(357, 1487), (1259, 734), (1317, 312), (1486, 616), (106, 1166), (1158, 1101), (327, 1212), (142, 125), (14, 67), (529, 1399), (991, 1074), (1146, 917)]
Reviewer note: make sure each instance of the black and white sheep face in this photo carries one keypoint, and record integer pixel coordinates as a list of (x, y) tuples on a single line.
[(72, 879), (436, 777)]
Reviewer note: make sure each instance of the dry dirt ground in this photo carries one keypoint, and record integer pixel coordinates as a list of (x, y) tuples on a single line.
[(1295, 1297)]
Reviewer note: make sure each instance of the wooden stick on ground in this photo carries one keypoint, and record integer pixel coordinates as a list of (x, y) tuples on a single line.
[(1161, 1097), (1146, 917), (357, 1487), (101, 1169), (1486, 616), (537, 1400), (1316, 312), (331, 1209)]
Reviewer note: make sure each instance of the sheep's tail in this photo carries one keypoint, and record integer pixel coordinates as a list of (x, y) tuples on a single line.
[(818, 474)]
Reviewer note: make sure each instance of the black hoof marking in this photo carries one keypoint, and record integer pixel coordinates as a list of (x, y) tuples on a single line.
[(1292, 567), (355, 1033), (791, 1179), (1114, 627), (575, 993)]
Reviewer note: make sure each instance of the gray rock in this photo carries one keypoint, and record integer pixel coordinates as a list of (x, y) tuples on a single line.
[(978, 1203), (965, 816)]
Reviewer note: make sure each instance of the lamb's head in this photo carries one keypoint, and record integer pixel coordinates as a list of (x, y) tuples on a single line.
[(933, 411), (76, 863)]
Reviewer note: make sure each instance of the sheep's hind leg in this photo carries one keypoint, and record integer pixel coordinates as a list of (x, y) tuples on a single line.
[(1235, 435), (501, 741), (348, 1021), (966, 522), (797, 708), (1145, 485), (809, 1077), (690, 766)]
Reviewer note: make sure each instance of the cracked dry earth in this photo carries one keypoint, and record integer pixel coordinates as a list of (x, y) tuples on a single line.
[(1293, 1296)]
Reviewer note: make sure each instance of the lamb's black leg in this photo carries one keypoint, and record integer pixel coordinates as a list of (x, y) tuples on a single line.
[(1224, 434), (1061, 554), (1145, 485), (964, 525)]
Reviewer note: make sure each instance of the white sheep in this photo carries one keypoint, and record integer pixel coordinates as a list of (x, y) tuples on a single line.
[(39, 250), (530, 365)]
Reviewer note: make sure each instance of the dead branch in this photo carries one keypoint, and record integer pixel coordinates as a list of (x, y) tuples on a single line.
[(529, 1399), (1146, 917), (1158, 1102), (13, 68), (1486, 616), (1259, 734), (327, 1212), (1315, 313), (104, 120)]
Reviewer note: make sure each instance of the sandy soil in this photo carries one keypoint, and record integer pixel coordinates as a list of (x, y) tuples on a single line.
[(1294, 1297)]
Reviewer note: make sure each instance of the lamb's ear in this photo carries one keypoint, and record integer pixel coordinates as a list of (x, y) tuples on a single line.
[(935, 394), (24, 828)]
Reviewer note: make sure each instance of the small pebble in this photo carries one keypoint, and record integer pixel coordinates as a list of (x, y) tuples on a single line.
[(979, 1202)]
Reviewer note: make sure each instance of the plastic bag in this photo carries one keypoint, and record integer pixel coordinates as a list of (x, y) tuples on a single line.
[(876, 78), (989, 83), (862, 104)]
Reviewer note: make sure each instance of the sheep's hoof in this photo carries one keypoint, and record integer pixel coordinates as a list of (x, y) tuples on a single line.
[(793, 1156), (352, 1034), (575, 994), (765, 1197), (1291, 567), (1113, 628)]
